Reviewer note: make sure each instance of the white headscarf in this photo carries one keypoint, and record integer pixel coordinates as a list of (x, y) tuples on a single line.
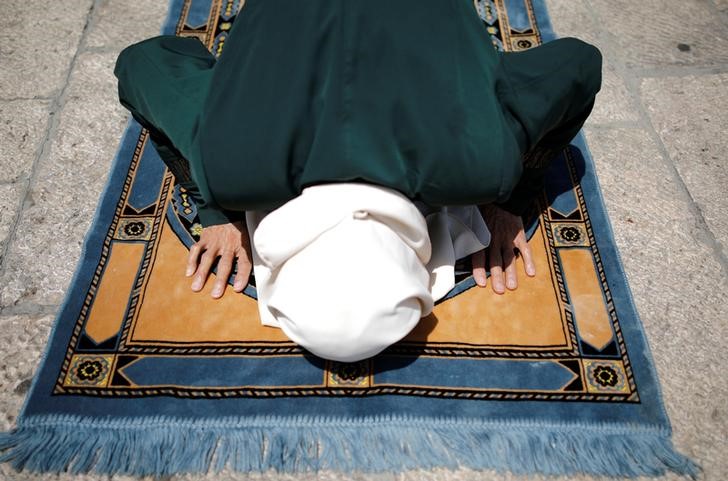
[(347, 269)]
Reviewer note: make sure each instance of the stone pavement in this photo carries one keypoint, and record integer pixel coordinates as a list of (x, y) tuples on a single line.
[(657, 135)]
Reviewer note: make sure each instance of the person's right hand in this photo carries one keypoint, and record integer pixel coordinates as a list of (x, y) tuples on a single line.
[(228, 242), (507, 236)]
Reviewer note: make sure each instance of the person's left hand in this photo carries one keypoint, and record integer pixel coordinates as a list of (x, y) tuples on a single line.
[(506, 235)]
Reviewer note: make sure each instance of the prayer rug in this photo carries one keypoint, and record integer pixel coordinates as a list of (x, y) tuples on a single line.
[(142, 376)]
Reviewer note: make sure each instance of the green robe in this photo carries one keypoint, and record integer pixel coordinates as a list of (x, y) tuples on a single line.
[(409, 94)]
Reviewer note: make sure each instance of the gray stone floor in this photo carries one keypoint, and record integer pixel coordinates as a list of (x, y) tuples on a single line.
[(658, 136)]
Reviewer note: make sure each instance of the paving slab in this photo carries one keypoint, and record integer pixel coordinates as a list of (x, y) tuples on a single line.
[(22, 343), (23, 124), (8, 474), (691, 116), (223, 476), (652, 33), (320, 476), (67, 188), (38, 40), (9, 205), (679, 288), (572, 18), (142, 19)]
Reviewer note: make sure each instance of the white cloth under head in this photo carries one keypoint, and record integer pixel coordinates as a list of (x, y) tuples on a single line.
[(347, 269)]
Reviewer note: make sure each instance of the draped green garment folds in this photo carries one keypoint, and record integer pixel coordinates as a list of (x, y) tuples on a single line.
[(411, 95)]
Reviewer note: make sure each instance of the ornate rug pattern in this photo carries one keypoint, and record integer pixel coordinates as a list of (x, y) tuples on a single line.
[(142, 376)]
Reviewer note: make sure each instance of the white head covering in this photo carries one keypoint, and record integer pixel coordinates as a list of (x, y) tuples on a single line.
[(347, 269)]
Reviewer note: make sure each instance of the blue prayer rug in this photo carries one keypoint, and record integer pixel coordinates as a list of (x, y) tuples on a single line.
[(141, 376)]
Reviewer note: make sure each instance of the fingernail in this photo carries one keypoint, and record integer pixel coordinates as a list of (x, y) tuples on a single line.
[(511, 284), (189, 272), (238, 285), (531, 271), (196, 285)]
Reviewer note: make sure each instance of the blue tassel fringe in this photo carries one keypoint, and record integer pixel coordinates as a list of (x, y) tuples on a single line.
[(159, 447)]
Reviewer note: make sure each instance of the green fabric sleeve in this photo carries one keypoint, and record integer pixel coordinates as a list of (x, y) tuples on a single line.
[(210, 214), (550, 90), (525, 191), (531, 183)]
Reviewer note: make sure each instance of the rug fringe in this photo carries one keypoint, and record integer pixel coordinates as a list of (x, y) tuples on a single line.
[(142, 449)]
